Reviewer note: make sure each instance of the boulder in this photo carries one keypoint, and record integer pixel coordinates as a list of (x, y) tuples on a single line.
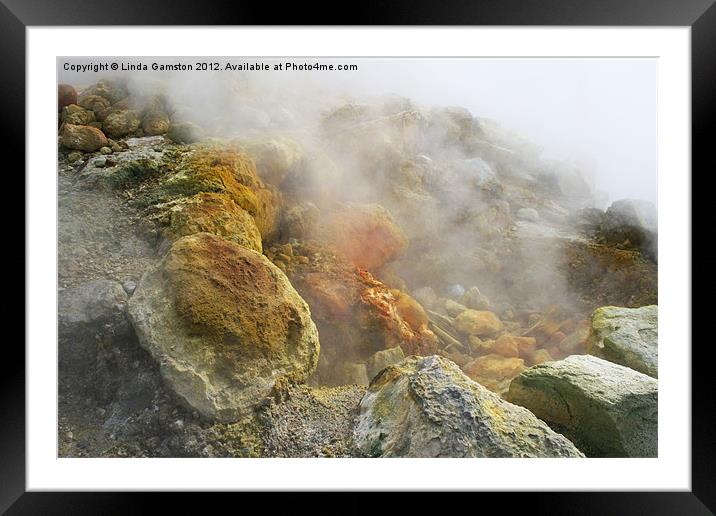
[(224, 324), (213, 213), (66, 95), (478, 322), (155, 122), (607, 409), (82, 137), (529, 214), (382, 359), (76, 115), (626, 336), (475, 300), (219, 170), (365, 234), (275, 158), (356, 314), (114, 90), (185, 132), (121, 123), (94, 103), (494, 371), (299, 221), (426, 407)]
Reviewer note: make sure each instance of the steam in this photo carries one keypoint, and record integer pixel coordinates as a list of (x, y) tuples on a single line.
[(591, 120)]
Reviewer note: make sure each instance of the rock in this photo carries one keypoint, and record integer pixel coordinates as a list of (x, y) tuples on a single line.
[(155, 122), (105, 150), (425, 296), (121, 123), (76, 115), (494, 371), (474, 299), (575, 342), (129, 286), (224, 324), (219, 170), (512, 345), (114, 90), (454, 308), (456, 291), (630, 224), (66, 95), (82, 137), (276, 158), (74, 156), (95, 103), (299, 221), (607, 409), (529, 214), (382, 359), (185, 132), (426, 407), (99, 162), (478, 322), (365, 234), (217, 214), (356, 314), (626, 336)]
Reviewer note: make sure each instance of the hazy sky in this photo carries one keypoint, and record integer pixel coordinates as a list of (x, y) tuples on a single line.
[(597, 111)]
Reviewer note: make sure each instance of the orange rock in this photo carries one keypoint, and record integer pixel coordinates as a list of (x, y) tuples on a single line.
[(365, 234), (356, 314), (494, 371), (506, 346), (478, 322), (525, 346)]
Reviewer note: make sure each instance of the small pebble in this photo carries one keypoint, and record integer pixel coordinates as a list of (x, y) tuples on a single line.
[(99, 162), (106, 150), (129, 287)]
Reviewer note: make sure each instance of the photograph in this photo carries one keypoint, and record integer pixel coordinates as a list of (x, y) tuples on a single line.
[(357, 257)]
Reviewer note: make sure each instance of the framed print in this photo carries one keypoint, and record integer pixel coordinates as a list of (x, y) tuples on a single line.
[(276, 257)]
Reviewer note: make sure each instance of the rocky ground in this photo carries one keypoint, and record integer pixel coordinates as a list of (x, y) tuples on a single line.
[(244, 294)]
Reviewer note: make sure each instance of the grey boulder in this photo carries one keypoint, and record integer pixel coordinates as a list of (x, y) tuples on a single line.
[(607, 409)]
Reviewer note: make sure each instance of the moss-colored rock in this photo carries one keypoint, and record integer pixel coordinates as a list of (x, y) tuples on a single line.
[(224, 324), (426, 407), (129, 173), (77, 115), (121, 123), (275, 158), (217, 214), (82, 137), (114, 90), (94, 103), (185, 132), (607, 409), (626, 336), (155, 122), (219, 170)]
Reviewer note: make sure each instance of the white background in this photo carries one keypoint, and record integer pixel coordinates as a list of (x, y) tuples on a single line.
[(670, 471)]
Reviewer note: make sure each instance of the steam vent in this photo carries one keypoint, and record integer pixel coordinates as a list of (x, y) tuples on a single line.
[(251, 272)]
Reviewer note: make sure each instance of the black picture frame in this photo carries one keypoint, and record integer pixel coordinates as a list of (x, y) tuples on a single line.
[(700, 15)]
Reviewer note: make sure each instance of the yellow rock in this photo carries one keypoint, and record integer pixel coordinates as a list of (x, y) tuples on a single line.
[(478, 322)]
